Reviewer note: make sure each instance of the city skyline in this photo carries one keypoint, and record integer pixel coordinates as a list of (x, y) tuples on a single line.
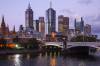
[(88, 9)]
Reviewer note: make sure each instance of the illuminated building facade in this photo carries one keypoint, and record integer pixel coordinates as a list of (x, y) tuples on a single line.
[(41, 25), (5, 33), (87, 30), (63, 25)]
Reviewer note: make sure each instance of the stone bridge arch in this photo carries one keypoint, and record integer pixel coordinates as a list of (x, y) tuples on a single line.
[(51, 46)]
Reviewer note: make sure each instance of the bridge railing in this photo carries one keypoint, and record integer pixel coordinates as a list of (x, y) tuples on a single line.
[(92, 44), (96, 44)]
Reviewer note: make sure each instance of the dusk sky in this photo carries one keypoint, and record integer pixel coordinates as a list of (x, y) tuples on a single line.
[(14, 11)]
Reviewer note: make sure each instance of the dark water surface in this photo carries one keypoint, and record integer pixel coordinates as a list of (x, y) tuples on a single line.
[(48, 59)]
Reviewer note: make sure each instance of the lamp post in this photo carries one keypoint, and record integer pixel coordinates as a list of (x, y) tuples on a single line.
[(64, 42)]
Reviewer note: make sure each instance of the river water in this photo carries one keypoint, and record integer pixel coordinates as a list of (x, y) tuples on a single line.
[(49, 59)]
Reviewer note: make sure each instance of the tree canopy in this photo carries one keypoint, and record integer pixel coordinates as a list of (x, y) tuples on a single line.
[(83, 39)]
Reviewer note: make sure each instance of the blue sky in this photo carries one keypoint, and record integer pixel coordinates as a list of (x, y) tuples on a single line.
[(14, 11)]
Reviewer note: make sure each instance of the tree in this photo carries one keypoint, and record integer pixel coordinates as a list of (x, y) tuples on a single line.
[(83, 39), (33, 43), (29, 43)]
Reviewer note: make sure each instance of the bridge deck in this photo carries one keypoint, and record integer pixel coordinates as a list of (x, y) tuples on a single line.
[(72, 44)]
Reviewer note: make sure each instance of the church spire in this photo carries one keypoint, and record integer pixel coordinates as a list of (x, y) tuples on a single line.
[(3, 22), (14, 29), (7, 28)]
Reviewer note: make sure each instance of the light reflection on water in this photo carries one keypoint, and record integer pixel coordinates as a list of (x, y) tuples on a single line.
[(15, 59), (53, 60), (82, 63), (47, 59)]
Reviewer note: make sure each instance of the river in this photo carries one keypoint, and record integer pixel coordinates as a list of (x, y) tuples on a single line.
[(49, 59)]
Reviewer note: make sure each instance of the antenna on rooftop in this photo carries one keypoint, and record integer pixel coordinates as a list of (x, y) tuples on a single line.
[(50, 4)]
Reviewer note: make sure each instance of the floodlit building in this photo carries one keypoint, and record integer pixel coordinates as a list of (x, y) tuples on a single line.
[(63, 25), (87, 30)]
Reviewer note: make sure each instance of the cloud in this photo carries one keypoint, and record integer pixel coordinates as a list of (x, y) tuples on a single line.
[(86, 2), (94, 21), (96, 18), (68, 12), (96, 29)]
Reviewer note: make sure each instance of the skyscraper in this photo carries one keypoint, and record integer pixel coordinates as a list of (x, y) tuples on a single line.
[(41, 25), (51, 19), (66, 26), (63, 25), (37, 25), (87, 30), (79, 26), (29, 17), (60, 23)]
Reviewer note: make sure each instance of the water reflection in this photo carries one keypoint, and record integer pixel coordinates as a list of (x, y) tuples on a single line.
[(53, 61), (82, 63), (48, 59), (28, 56), (17, 60)]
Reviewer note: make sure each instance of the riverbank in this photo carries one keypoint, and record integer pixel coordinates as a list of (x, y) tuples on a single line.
[(22, 51)]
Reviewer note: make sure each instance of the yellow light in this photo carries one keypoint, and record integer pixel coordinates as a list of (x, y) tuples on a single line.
[(53, 61), (53, 34), (17, 46)]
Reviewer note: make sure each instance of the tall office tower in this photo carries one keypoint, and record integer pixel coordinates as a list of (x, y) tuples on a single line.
[(60, 23), (79, 26), (29, 17), (41, 25), (51, 19), (37, 25), (87, 30), (63, 25), (66, 26)]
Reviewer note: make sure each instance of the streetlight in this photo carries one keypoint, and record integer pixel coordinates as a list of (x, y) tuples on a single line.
[(64, 42)]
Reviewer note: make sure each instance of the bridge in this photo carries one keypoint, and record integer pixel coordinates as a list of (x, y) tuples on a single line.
[(57, 44), (74, 45), (52, 46), (89, 44)]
